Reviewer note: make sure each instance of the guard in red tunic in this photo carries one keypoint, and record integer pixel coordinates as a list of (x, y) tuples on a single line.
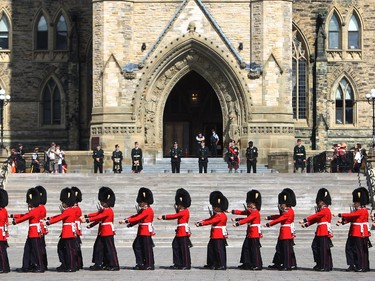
[(104, 254), (216, 251), (66, 248), (143, 244), (356, 248), (181, 243), (284, 258), (250, 256), (4, 261), (77, 208), (33, 254), (43, 215), (321, 245)]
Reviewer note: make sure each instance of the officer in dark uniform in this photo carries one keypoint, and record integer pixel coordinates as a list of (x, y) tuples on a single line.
[(203, 157), (251, 156), (98, 156), (136, 155), (20, 160), (299, 157), (117, 160), (176, 153)]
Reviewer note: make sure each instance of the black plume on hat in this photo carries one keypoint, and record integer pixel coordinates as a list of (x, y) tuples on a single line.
[(42, 193), (183, 198), (3, 198), (286, 198), (67, 196), (217, 199), (107, 195), (323, 195), (33, 197), (293, 196), (145, 195), (254, 196), (361, 195), (77, 193)]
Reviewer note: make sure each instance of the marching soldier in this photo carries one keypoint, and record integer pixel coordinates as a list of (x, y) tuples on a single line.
[(136, 155), (356, 248), (203, 153), (143, 244), (117, 160), (299, 157), (176, 153), (250, 256), (232, 157), (43, 214), (321, 245), (181, 243), (284, 258), (98, 156), (251, 157), (77, 208), (105, 254), (216, 251), (4, 261)]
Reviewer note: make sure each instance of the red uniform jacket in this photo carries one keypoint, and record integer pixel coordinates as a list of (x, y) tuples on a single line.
[(359, 226), (286, 219), (218, 222), (78, 221), (3, 224), (34, 217), (253, 222), (182, 222), (43, 214), (144, 218), (68, 216), (323, 219), (105, 219)]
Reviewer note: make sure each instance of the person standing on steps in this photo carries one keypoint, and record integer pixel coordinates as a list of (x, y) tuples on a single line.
[(98, 156), (203, 157), (176, 153), (251, 158)]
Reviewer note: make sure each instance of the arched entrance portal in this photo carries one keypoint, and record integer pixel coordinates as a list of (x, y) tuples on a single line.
[(191, 107)]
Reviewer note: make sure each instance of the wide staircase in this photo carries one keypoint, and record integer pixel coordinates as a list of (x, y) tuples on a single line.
[(164, 185)]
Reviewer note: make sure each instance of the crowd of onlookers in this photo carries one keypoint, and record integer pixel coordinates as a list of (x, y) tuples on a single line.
[(346, 160)]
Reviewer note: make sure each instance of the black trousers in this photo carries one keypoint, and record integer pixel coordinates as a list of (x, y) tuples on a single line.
[(356, 250), (45, 259), (202, 166), (79, 259), (250, 253), (143, 251), (284, 256), (213, 149), (4, 261), (33, 254), (322, 252), (66, 249), (105, 253), (175, 166), (181, 252), (217, 253), (98, 165), (251, 164)]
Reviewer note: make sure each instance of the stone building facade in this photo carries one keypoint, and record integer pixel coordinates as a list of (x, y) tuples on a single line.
[(157, 71)]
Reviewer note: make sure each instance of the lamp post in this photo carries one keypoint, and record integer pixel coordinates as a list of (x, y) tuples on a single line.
[(4, 99), (371, 100)]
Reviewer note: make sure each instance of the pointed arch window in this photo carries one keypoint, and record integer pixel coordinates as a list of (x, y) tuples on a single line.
[(61, 34), (42, 34), (299, 78), (353, 33), (344, 103), (51, 104), (4, 33), (334, 33)]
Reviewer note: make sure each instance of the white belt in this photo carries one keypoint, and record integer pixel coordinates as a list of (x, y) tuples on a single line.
[(78, 224), (37, 226), (292, 227), (72, 224), (149, 224), (4, 229), (223, 229), (361, 224), (256, 225), (186, 225), (44, 225), (299, 154), (109, 223), (327, 224)]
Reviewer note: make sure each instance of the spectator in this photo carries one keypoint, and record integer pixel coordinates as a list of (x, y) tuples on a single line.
[(20, 160), (35, 164), (60, 157), (52, 159)]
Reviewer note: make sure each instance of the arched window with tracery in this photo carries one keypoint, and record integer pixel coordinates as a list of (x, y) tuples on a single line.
[(334, 33), (344, 103), (61, 38), (4, 32), (42, 34), (51, 103), (354, 33)]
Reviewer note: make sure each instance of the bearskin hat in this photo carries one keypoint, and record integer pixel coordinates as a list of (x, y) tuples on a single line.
[(145, 195), (323, 195), (33, 197), (254, 196), (107, 195), (217, 199), (183, 198), (67, 196), (42, 193), (3, 198), (286, 198), (77, 193), (293, 196), (361, 195)]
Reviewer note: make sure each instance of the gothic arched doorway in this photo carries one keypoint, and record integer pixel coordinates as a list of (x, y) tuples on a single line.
[(192, 107)]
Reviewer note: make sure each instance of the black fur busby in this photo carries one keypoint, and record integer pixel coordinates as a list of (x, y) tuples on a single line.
[(33, 197), (254, 196), (42, 193), (323, 195), (217, 199), (145, 195), (293, 196), (67, 197), (286, 198), (3, 198), (107, 195), (77, 194), (183, 198), (361, 195)]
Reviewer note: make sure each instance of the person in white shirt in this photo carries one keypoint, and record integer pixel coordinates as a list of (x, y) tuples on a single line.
[(60, 157), (51, 158)]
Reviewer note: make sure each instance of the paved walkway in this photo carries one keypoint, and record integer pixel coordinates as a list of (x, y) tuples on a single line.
[(163, 258)]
